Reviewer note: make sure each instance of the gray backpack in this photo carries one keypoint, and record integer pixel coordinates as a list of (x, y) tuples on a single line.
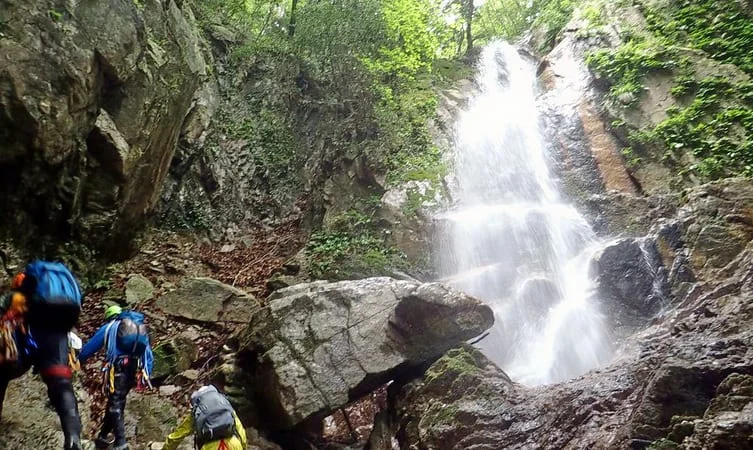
[(213, 416)]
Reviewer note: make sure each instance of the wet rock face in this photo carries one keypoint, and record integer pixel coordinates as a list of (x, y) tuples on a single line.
[(671, 375), (728, 421), (319, 345), (631, 281), (683, 381), (717, 220), (405, 210), (87, 141)]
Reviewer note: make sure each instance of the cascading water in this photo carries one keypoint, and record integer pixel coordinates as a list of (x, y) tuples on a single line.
[(512, 241)]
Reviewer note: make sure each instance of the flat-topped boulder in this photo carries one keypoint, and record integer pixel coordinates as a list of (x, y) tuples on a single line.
[(207, 300), (319, 345)]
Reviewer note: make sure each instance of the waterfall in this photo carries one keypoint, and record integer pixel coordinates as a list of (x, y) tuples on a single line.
[(510, 238)]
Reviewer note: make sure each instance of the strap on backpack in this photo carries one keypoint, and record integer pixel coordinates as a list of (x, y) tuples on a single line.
[(107, 335), (136, 341)]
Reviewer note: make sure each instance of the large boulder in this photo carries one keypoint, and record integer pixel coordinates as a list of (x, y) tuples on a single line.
[(317, 346), (467, 408), (88, 139), (174, 356), (149, 418), (138, 289), (207, 300), (631, 281)]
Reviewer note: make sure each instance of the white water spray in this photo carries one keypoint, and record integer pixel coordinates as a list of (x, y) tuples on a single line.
[(512, 241)]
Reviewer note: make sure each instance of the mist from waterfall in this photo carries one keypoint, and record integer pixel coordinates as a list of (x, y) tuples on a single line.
[(512, 241)]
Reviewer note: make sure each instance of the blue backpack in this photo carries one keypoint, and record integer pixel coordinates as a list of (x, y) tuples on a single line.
[(54, 295), (132, 337), (128, 335)]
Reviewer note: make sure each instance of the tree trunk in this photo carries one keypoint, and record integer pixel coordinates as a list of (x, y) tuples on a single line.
[(291, 25), (468, 21)]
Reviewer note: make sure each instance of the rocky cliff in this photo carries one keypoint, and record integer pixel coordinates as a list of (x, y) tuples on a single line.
[(93, 98)]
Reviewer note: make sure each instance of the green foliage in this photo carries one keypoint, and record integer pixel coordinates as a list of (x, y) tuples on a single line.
[(721, 29), (415, 199), (102, 284), (631, 158), (409, 49), (509, 19), (592, 14), (250, 18), (551, 18), (351, 248), (55, 15), (714, 128), (684, 85), (334, 42), (448, 71), (269, 140), (404, 147), (358, 76), (625, 66), (190, 216), (381, 59), (506, 19), (714, 119)]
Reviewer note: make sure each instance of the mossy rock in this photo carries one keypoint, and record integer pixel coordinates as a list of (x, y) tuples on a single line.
[(663, 444), (454, 363), (173, 357)]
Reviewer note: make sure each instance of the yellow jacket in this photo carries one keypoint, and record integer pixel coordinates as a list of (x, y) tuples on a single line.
[(186, 429)]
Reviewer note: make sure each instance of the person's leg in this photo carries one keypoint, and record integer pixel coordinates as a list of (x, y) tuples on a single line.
[(52, 361), (125, 378), (103, 440), (4, 380), (60, 392)]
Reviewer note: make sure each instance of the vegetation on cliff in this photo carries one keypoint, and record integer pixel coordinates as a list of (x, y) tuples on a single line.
[(314, 91), (708, 133)]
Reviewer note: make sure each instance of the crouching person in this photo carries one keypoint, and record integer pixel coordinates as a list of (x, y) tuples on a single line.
[(212, 421)]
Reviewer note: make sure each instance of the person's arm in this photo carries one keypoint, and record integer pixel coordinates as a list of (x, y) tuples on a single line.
[(184, 430), (241, 431), (93, 345)]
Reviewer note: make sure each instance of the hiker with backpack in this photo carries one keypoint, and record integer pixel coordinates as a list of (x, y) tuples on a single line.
[(12, 326), (128, 364), (212, 421), (44, 305)]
